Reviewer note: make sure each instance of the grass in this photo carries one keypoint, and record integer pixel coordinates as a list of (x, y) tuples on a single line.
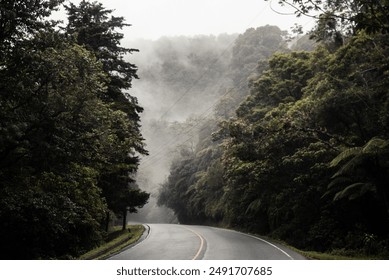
[(116, 241), (335, 255), (326, 256)]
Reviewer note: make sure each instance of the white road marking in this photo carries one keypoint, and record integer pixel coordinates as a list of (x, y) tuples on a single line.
[(263, 240)]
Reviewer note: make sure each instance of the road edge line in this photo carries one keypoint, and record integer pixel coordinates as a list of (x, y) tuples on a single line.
[(271, 244), (263, 240)]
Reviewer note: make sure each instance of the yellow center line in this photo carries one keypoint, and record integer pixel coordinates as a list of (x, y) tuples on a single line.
[(201, 242)]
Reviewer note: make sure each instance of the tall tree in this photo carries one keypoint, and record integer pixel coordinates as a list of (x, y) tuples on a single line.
[(20, 18), (51, 205), (94, 27)]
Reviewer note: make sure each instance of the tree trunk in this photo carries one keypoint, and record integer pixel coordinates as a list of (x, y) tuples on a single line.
[(107, 221), (124, 224)]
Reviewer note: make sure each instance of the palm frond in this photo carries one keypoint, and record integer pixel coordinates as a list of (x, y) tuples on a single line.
[(355, 191), (338, 181), (375, 144), (350, 166), (345, 155), (254, 206)]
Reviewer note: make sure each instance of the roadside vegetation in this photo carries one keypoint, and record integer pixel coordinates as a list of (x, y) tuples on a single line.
[(117, 240)]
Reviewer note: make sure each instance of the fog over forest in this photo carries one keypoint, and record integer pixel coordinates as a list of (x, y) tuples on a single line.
[(183, 80)]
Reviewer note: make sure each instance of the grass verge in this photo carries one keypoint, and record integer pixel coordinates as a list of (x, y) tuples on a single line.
[(116, 241), (312, 255), (335, 255)]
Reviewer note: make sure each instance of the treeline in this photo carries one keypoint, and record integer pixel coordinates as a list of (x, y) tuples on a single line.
[(70, 138), (305, 157)]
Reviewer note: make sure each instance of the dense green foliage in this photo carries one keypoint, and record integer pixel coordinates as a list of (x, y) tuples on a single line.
[(67, 151), (197, 174), (305, 158)]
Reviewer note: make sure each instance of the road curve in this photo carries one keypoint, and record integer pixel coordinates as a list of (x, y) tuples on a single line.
[(183, 242)]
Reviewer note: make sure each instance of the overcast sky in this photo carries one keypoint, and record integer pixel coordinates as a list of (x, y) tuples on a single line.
[(152, 19)]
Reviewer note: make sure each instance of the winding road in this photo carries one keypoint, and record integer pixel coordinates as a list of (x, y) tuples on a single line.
[(184, 242)]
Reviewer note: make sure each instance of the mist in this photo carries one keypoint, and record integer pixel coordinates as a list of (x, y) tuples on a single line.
[(187, 84), (180, 81)]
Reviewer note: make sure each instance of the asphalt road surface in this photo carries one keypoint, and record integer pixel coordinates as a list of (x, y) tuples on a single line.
[(183, 242)]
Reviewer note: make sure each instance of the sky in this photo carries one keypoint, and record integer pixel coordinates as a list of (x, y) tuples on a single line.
[(152, 19)]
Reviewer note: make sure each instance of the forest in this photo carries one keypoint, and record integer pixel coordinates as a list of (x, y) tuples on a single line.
[(270, 132), (297, 147), (70, 138)]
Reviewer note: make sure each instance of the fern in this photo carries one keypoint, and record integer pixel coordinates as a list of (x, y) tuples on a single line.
[(338, 181), (375, 145), (254, 206), (355, 191), (351, 163), (351, 166), (345, 155)]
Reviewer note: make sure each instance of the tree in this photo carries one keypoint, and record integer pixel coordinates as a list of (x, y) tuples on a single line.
[(51, 205), (131, 201), (95, 28), (363, 171), (368, 15), (23, 18), (253, 47)]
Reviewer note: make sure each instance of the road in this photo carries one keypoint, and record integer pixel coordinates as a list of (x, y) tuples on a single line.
[(183, 242)]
